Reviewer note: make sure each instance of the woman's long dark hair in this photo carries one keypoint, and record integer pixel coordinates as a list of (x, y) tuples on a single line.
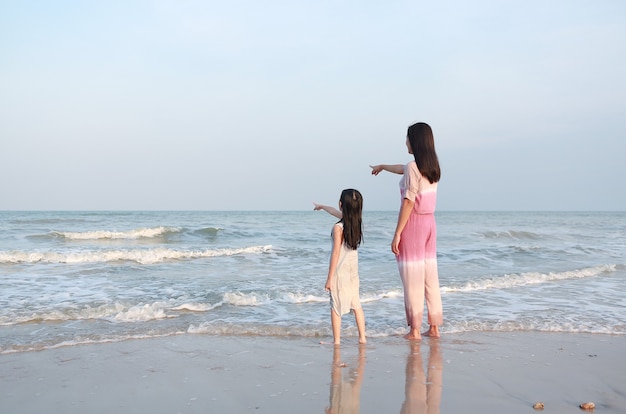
[(422, 143), (352, 210)]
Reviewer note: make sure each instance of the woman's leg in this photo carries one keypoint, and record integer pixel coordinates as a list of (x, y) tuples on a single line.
[(431, 281), (412, 269), (412, 275)]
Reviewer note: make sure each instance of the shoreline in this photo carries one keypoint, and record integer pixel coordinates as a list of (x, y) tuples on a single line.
[(478, 372)]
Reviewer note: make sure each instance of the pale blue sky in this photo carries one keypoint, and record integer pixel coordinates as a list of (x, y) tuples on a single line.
[(247, 105)]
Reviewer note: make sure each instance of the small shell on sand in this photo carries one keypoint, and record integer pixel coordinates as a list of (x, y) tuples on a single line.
[(588, 406), (538, 406)]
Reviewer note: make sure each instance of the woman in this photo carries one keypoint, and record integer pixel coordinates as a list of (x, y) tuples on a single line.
[(415, 239)]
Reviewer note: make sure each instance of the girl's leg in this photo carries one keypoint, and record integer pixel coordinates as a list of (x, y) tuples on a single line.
[(359, 316), (335, 321)]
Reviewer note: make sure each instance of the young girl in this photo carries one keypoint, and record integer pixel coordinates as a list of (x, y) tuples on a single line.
[(343, 270)]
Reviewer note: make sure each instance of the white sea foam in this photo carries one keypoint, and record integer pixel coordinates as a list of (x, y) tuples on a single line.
[(303, 298), (142, 313), (85, 341), (531, 278), (393, 294), (106, 234), (257, 329), (143, 256), (245, 299), (116, 312), (197, 307), (529, 326)]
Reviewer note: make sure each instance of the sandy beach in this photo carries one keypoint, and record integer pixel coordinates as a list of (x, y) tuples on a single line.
[(471, 373)]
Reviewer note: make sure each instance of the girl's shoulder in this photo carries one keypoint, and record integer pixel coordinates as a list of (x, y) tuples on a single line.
[(337, 230)]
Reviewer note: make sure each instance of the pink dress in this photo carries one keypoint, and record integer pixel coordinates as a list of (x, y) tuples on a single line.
[(417, 261)]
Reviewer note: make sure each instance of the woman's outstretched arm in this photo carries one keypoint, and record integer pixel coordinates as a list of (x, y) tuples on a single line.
[(392, 168)]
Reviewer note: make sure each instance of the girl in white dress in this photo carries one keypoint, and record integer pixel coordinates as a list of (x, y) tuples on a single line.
[(343, 270)]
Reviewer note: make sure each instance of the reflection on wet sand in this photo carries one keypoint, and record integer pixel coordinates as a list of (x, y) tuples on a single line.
[(345, 385), (423, 391)]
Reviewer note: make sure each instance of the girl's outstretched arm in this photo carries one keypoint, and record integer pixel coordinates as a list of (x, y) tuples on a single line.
[(330, 210), (393, 168)]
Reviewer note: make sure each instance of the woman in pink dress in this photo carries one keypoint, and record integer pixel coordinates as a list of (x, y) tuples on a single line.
[(415, 239)]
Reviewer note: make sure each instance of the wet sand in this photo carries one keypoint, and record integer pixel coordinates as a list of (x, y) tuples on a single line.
[(470, 373)]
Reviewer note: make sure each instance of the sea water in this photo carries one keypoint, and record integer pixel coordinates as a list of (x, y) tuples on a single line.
[(68, 278)]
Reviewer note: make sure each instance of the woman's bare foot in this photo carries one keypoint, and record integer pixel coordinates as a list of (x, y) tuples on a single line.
[(413, 335), (433, 332), (362, 340)]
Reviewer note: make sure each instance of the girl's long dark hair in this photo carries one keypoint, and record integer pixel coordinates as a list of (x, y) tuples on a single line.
[(422, 143), (352, 210)]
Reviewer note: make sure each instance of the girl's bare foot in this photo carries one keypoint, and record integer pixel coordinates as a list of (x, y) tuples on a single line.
[(362, 340), (329, 343)]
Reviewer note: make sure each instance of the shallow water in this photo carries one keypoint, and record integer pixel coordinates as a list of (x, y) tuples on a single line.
[(81, 277)]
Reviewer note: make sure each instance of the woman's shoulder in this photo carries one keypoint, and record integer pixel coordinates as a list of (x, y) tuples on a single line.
[(411, 167)]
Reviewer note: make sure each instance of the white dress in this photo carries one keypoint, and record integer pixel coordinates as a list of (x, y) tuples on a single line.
[(344, 291)]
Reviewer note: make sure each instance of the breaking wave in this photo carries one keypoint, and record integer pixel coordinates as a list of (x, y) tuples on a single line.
[(142, 256), (530, 278)]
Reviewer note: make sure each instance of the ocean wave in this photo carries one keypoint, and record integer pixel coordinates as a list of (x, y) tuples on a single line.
[(207, 231), (149, 232), (210, 328), (113, 312), (533, 326), (245, 299), (197, 307), (380, 333), (530, 278), (144, 312), (375, 297), (299, 298), (259, 299), (142, 256), (510, 234), (14, 349), (136, 322)]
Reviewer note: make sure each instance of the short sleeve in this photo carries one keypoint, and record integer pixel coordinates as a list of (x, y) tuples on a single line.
[(412, 179)]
